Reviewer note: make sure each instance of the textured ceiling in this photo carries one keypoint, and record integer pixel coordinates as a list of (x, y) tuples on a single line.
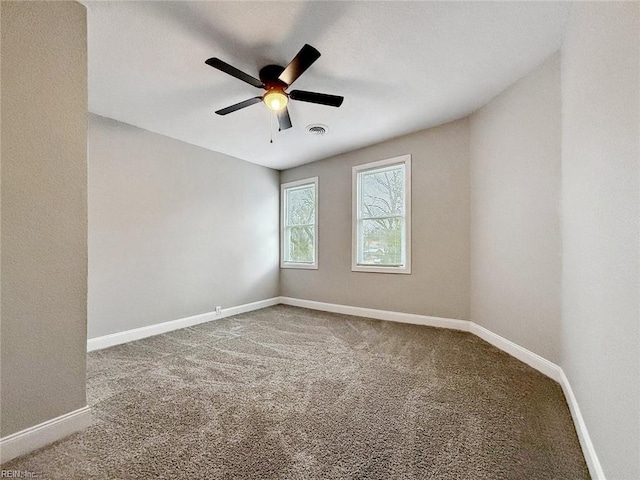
[(401, 66)]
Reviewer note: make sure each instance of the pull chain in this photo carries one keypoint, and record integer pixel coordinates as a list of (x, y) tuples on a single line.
[(271, 125)]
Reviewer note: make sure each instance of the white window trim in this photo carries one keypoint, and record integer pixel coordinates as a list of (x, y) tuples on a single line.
[(283, 187), (405, 269)]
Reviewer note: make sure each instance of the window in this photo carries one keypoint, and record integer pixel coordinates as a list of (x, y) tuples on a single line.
[(299, 234), (382, 216)]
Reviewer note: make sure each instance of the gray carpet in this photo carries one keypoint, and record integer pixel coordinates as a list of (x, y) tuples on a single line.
[(292, 393)]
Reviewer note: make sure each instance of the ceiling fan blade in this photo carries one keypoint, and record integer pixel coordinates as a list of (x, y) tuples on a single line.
[(284, 120), (313, 97), (240, 105), (234, 72), (303, 60)]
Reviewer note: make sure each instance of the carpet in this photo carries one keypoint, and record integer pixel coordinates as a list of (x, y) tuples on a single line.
[(291, 393)]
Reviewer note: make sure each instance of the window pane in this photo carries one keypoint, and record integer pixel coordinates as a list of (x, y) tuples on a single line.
[(381, 241), (299, 224), (382, 216), (300, 244), (301, 205), (382, 192)]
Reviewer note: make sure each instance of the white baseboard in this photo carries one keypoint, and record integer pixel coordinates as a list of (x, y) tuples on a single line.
[(532, 359), (98, 343), (249, 307), (379, 314), (29, 439), (595, 468), (556, 373)]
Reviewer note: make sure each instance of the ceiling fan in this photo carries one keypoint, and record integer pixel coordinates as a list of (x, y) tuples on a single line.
[(275, 80)]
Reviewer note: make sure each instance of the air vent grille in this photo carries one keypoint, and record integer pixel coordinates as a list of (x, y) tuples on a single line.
[(317, 129)]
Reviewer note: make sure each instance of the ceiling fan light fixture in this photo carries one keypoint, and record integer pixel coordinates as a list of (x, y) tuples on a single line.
[(275, 99)]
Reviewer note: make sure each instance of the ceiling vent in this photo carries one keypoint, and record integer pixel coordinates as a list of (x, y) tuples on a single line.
[(317, 129)]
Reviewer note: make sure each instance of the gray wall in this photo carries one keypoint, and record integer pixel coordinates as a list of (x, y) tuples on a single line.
[(44, 217), (515, 217), (439, 282), (174, 229), (600, 234)]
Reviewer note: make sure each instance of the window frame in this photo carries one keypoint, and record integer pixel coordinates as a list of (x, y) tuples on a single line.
[(283, 219), (356, 220)]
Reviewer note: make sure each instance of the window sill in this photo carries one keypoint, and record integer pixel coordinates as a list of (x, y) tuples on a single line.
[(302, 266), (406, 270)]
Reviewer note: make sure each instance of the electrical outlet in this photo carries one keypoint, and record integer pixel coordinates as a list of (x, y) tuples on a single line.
[(218, 310)]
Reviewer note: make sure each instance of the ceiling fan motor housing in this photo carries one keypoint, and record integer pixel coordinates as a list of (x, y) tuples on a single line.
[(275, 96), (270, 73)]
